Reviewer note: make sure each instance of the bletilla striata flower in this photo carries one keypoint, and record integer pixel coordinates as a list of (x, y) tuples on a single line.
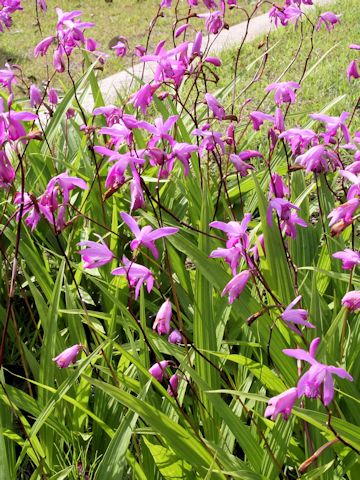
[(236, 285), (136, 275), (158, 369), (318, 381), (297, 316), (282, 404), (163, 318), (349, 258), (68, 356), (95, 254), (146, 236), (284, 91), (351, 300)]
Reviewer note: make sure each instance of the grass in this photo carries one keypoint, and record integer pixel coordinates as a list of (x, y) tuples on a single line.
[(129, 18), (326, 82)]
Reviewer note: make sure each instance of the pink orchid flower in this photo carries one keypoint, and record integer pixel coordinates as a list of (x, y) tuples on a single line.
[(175, 337), (173, 385), (258, 118), (7, 172), (351, 300), (297, 316), (68, 356), (146, 236), (136, 275), (96, 254), (163, 318), (318, 376), (159, 369), (236, 285), (215, 106), (349, 258), (235, 231), (282, 404), (284, 91), (329, 19), (240, 165)]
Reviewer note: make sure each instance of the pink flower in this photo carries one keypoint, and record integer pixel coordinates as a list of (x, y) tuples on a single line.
[(235, 231), (197, 44), (171, 65), (160, 131), (96, 254), (42, 5), (35, 96), (318, 375), (282, 404), (175, 337), (344, 212), (136, 193), (291, 13), (181, 30), (68, 356), (7, 77), (7, 173), (351, 300), (236, 285), (210, 139), (258, 118), (52, 203), (352, 71), (215, 106), (8, 7), (173, 385), (349, 258), (181, 151), (241, 166), (11, 128), (43, 46), (278, 187), (316, 159), (289, 219), (249, 154), (296, 315), (136, 275), (208, 4), (53, 97), (333, 124), (163, 318), (299, 139), (119, 134), (214, 21), (284, 91), (120, 49), (214, 61), (59, 59), (146, 236), (329, 19), (230, 255), (158, 369)]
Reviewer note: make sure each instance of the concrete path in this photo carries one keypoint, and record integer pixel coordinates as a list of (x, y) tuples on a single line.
[(123, 82)]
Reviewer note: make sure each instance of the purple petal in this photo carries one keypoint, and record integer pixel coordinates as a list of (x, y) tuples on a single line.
[(328, 392), (162, 232), (131, 223)]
